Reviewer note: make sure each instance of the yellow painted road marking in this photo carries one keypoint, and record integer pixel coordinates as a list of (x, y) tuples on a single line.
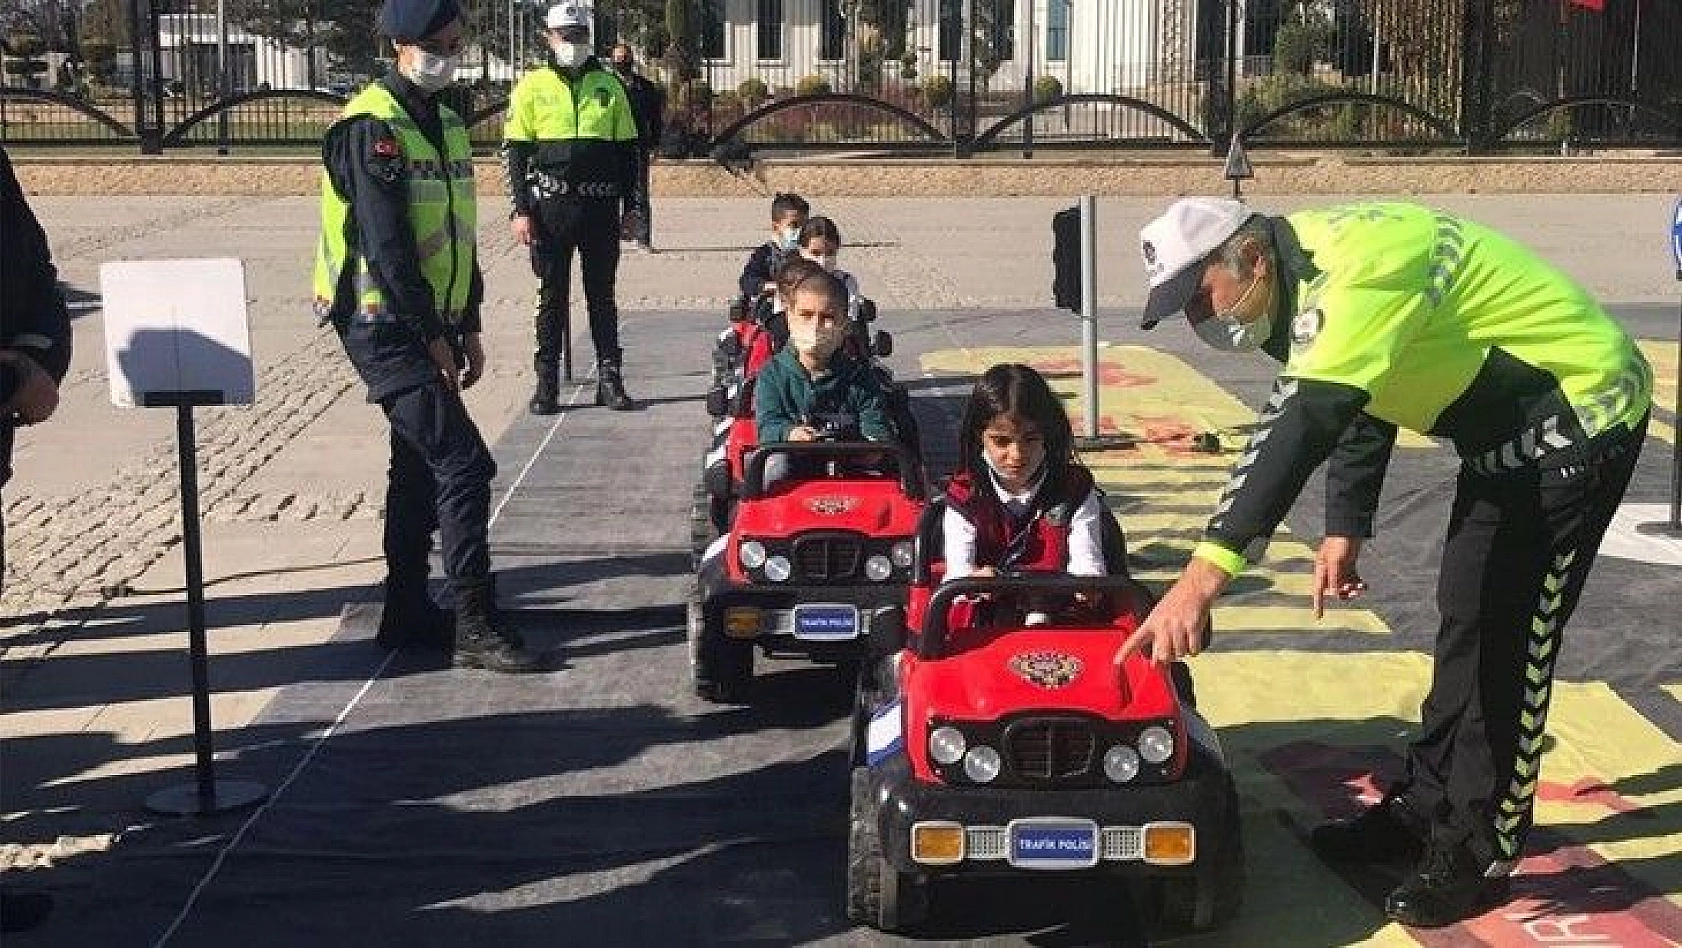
[(1661, 355)]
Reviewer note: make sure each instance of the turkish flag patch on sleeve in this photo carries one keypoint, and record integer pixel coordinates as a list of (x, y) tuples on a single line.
[(385, 148)]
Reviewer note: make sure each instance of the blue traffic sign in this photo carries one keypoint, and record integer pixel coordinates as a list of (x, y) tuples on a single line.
[(1676, 237)]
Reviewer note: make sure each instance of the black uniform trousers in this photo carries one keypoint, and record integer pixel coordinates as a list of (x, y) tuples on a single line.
[(591, 227), (1519, 549), (439, 479)]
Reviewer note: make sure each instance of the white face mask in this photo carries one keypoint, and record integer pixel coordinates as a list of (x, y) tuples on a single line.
[(819, 342), (1225, 331), (570, 55), (431, 72), (789, 238)]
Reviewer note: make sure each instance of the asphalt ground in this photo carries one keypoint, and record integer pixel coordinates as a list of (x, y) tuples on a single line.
[(600, 804)]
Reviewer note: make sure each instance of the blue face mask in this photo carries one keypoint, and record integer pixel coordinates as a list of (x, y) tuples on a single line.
[(789, 238)]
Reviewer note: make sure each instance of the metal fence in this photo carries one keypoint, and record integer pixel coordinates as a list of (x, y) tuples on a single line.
[(942, 76)]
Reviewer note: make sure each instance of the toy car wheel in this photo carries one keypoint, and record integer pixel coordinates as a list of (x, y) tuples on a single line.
[(864, 702), (723, 669), (701, 529), (878, 895), (1212, 896)]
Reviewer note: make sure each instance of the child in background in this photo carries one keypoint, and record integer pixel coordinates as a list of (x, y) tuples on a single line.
[(759, 277)]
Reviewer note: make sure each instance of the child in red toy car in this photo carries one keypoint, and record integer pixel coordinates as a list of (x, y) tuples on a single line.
[(788, 216), (820, 242), (810, 377), (1020, 501)]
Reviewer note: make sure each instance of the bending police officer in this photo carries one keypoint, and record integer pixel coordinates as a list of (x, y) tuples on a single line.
[(572, 151), (1426, 321), (398, 276)]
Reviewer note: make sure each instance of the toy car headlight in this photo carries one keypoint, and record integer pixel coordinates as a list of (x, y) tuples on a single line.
[(752, 554), (982, 764), (1156, 744), (946, 745), (903, 553), (1121, 763), (778, 570), (878, 568)]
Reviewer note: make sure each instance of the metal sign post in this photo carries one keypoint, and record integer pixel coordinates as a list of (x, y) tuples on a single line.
[(1089, 309), (1676, 454), (1238, 169), (177, 336)]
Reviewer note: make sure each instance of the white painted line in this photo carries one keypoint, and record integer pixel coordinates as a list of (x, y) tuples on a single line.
[(320, 742), (1632, 536)]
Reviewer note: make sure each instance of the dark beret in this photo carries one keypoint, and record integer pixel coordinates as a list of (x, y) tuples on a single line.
[(410, 20)]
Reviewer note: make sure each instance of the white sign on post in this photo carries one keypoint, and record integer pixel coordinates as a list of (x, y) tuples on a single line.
[(176, 332)]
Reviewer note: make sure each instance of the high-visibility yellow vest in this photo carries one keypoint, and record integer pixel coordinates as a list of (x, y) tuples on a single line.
[(442, 211), (544, 108)]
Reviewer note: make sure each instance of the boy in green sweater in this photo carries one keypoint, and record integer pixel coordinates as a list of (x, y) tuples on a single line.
[(810, 378)]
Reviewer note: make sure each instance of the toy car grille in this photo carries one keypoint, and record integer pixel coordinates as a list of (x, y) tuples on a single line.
[(1051, 749), (829, 557), (986, 842), (1122, 844)]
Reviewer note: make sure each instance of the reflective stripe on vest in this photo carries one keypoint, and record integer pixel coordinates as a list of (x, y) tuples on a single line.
[(442, 212)]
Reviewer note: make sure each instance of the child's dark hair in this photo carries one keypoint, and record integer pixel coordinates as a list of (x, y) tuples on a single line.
[(799, 274), (786, 203), (1014, 389), (820, 228)]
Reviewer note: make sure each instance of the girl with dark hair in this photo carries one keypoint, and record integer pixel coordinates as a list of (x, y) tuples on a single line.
[(820, 242), (1020, 500)]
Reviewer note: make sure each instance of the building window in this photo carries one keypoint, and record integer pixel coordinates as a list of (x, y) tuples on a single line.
[(1004, 28), (1057, 31), (951, 39), (712, 29), (832, 31), (768, 30)]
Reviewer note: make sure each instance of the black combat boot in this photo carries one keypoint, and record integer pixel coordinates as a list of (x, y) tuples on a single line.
[(610, 387), (545, 398), (481, 640), (1451, 885), (1386, 832), (410, 617)]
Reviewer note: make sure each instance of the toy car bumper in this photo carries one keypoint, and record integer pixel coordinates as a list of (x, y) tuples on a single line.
[(1151, 830), (822, 622)]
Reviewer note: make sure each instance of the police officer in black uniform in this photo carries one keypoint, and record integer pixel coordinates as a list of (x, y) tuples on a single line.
[(572, 150), (34, 355), (393, 151), (648, 103)]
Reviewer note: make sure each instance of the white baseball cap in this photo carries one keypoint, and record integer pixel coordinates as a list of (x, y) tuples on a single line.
[(564, 15), (1175, 245)]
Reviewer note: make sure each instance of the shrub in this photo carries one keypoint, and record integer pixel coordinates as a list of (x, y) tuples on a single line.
[(812, 85), (694, 94), (1046, 88), (937, 92), (1294, 48), (752, 91)]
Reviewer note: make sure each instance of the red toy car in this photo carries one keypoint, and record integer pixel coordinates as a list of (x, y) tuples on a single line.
[(991, 747), (809, 562), (752, 339)]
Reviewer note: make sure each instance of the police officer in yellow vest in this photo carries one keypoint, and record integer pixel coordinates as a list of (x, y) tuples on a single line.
[(571, 144), (397, 275), (1396, 315)]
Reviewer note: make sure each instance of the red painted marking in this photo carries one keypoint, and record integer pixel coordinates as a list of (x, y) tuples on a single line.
[(1587, 790), (1170, 434), (1564, 894), (1109, 373)]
